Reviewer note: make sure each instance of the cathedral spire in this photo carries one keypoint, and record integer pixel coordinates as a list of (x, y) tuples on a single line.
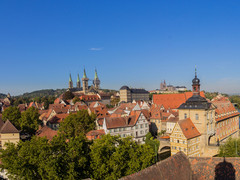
[(96, 76), (78, 79), (70, 78), (84, 74), (70, 83)]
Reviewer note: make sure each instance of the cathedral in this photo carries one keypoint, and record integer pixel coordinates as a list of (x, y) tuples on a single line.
[(85, 89)]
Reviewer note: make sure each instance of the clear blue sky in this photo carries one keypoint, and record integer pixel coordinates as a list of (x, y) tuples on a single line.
[(131, 42)]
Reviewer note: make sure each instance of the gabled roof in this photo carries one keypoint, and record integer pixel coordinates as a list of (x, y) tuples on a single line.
[(116, 122), (188, 128), (8, 127), (173, 101), (46, 132)]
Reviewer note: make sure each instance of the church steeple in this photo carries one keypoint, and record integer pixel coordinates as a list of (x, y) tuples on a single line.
[(196, 84), (70, 83), (96, 80), (85, 82), (84, 74), (78, 82)]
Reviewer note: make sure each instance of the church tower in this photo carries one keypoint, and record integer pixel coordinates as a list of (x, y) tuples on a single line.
[(85, 82), (196, 85), (96, 81), (70, 83), (78, 82)]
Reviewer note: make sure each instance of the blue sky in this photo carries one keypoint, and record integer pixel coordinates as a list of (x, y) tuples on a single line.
[(137, 43)]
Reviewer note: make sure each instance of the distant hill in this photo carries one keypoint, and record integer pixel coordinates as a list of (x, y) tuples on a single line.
[(43, 92), (2, 96)]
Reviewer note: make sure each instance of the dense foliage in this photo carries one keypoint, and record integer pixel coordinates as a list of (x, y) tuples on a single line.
[(230, 149), (113, 157), (153, 143), (75, 158), (13, 115), (235, 99), (79, 123), (68, 95), (26, 121), (41, 159), (29, 120)]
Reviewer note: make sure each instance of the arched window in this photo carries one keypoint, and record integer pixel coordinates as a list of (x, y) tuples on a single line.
[(196, 116)]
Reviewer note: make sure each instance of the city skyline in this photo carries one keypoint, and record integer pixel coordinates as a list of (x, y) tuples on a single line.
[(138, 44)]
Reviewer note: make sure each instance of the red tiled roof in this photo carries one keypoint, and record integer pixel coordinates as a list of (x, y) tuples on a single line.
[(96, 132), (172, 101), (58, 118), (173, 119), (188, 128), (46, 132), (115, 122), (224, 108)]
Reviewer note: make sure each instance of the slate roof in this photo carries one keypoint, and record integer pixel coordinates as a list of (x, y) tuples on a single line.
[(8, 127), (196, 102)]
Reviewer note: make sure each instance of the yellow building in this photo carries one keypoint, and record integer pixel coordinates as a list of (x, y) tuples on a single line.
[(186, 138), (8, 133)]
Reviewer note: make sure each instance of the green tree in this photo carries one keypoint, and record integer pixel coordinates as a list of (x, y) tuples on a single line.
[(68, 95), (12, 114), (29, 120), (153, 143), (113, 157), (230, 149), (43, 159), (76, 124)]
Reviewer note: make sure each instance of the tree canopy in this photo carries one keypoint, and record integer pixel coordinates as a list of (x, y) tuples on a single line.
[(12, 114), (29, 120), (230, 149), (41, 159), (68, 95), (153, 143), (79, 123), (113, 157)]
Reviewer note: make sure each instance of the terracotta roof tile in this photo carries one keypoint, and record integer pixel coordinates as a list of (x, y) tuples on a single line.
[(188, 128), (46, 132), (172, 101)]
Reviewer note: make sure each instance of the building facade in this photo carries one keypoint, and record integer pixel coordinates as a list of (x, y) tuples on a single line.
[(135, 125), (129, 95)]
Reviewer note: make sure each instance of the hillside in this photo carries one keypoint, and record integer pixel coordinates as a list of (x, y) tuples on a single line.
[(42, 93)]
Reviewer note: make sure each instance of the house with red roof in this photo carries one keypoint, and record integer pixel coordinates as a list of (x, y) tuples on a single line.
[(135, 125)]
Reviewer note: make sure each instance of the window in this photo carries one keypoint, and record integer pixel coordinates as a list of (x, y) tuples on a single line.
[(196, 116), (177, 141), (183, 142), (120, 129), (136, 127), (141, 126), (184, 149), (110, 130), (185, 115), (175, 147), (179, 149), (146, 125)]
